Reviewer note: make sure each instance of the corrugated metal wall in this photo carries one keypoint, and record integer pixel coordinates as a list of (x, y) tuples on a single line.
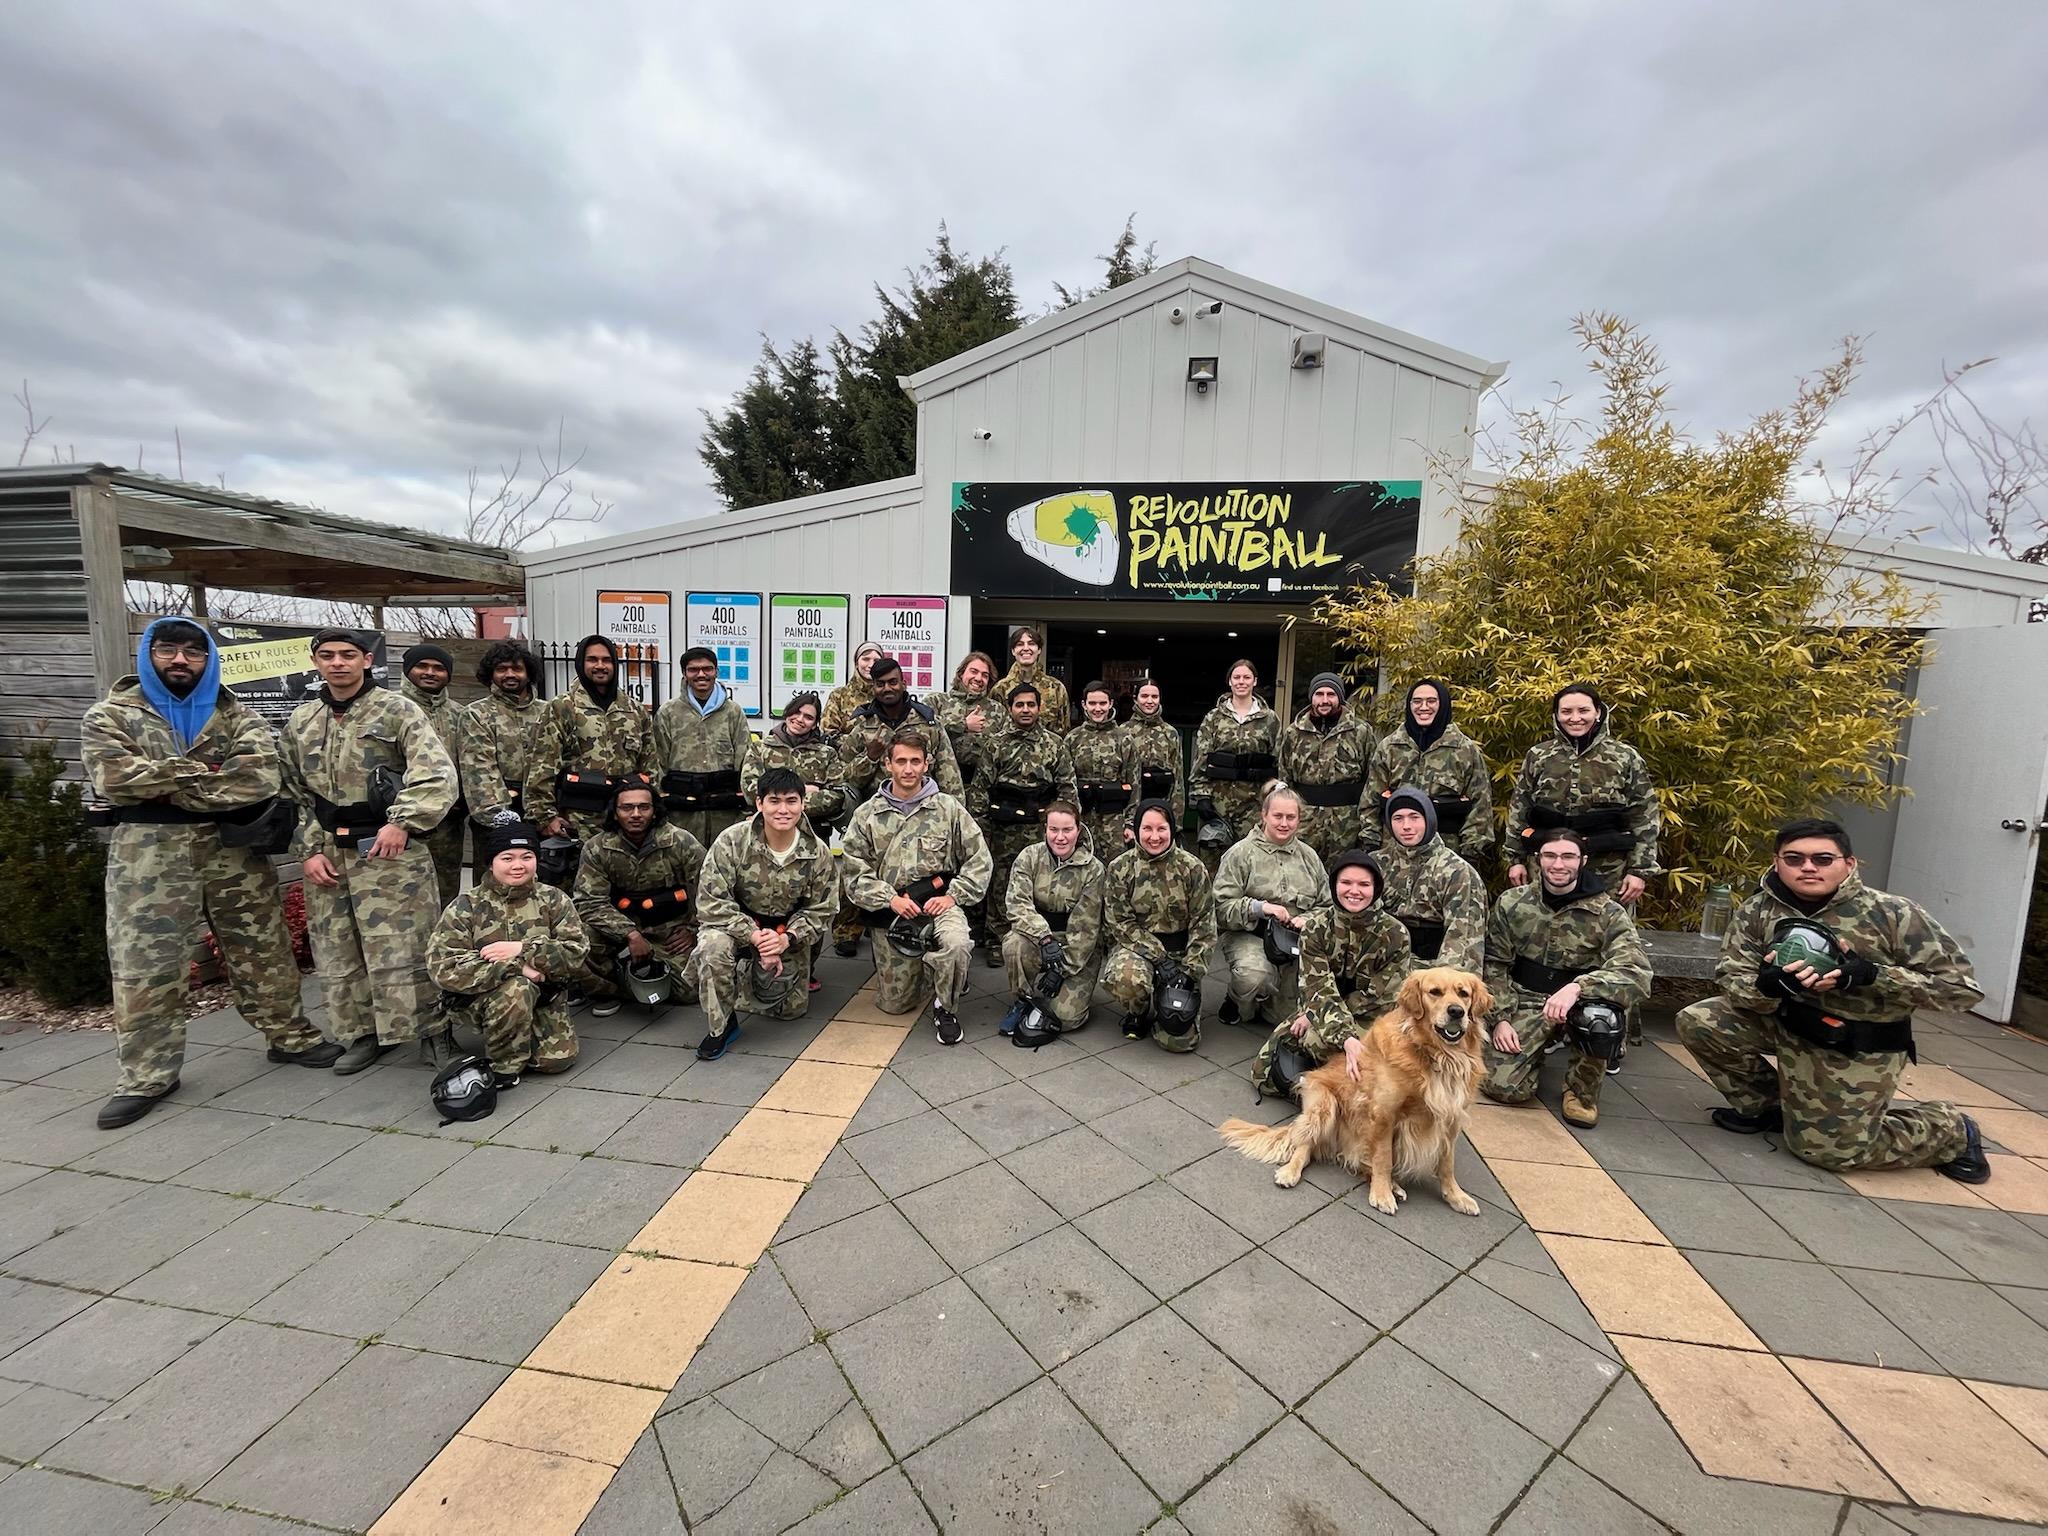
[(42, 563)]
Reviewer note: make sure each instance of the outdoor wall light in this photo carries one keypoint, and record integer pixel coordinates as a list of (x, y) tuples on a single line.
[(1309, 348), (1201, 373)]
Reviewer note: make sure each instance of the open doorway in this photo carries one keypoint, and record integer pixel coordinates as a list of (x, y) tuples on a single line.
[(1189, 661)]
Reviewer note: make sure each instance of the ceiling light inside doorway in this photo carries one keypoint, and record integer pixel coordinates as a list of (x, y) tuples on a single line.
[(1230, 634), (1102, 631)]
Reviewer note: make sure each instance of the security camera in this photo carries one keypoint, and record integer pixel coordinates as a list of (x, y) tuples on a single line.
[(981, 434), (1178, 315), (1213, 307)]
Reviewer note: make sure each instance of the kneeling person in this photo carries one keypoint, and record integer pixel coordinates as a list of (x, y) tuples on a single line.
[(1554, 948), (636, 891), (507, 949), (1055, 899), (764, 903), (1158, 907)]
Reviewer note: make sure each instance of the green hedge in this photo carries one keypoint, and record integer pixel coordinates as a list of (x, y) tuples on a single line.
[(53, 879)]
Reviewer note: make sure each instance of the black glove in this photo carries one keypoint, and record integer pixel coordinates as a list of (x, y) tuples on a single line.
[(1857, 971), (1205, 809), (1774, 981), (1052, 955)]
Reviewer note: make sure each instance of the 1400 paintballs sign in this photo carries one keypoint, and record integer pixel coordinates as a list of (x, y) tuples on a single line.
[(1276, 542)]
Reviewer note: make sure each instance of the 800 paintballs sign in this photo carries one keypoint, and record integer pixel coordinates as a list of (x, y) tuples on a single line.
[(1284, 542)]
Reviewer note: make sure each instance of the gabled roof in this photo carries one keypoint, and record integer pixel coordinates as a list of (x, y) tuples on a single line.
[(1212, 281)]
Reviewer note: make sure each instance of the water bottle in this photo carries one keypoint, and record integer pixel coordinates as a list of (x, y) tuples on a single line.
[(1716, 911)]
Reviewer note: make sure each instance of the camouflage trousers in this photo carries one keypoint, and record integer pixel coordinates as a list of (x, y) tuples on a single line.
[(1261, 989), (706, 825), (723, 980), (522, 1033), (1004, 844), (1106, 828), (597, 975), (1127, 978), (166, 886), (1329, 829), (370, 941), (444, 846), (1237, 804), (1838, 1109), (1020, 970), (1514, 1079), (904, 982)]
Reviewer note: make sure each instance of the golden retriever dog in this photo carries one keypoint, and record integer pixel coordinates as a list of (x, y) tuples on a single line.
[(1403, 1115)]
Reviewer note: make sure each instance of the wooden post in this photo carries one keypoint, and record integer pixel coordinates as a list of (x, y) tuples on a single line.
[(106, 584), (198, 590)]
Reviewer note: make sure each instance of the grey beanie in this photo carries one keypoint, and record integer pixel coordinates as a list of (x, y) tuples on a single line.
[(1328, 680)]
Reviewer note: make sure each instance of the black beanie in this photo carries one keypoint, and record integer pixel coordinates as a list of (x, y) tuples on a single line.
[(1358, 858), (1410, 797), (335, 632), (426, 650), (508, 835)]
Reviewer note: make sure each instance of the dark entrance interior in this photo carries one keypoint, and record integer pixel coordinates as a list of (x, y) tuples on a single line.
[(1190, 662)]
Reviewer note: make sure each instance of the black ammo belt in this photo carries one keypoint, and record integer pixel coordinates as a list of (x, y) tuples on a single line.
[(362, 818), (1056, 921), (651, 908), (1425, 938), (585, 789), (1016, 805), (769, 924), (1241, 767), (1155, 784), (1537, 977), (1851, 1037), (718, 790), (1604, 828), (920, 891), (1176, 942), (1453, 811), (1103, 794), (161, 813), (1344, 792)]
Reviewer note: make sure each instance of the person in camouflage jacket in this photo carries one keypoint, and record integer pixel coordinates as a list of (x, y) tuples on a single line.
[(1272, 877), (1158, 754), (1025, 768), (1054, 894), (503, 952), (764, 902), (1027, 648), (1323, 756), (176, 753), (370, 893), (1586, 779), (1237, 749), (1105, 770), (636, 891), (851, 694), (498, 732), (1430, 752), (1435, 895), (1833, 1102), (796, 743), (700, 743), (428, 668), (1159, 911), (967, 712), (597, 732), (1354, 958), (1548, 945)]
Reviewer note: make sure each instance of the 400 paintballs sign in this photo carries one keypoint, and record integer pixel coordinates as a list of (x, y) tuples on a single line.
[(1274, 542)]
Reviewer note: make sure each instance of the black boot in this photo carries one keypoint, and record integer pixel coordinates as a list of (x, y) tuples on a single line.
[(1972, 1167), (1228, 1013), (127, 1108), (1772, 1119), (846, 949), (1137, 1026), (359, 1054), (436, 1050), (321, 1055)]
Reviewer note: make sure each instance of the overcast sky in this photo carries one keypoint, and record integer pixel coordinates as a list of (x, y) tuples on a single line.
[(350, 251)]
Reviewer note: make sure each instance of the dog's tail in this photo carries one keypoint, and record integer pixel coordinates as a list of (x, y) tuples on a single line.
[(1266, 1143)]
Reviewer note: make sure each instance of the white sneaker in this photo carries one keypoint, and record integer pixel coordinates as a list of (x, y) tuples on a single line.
[(605, 1009)]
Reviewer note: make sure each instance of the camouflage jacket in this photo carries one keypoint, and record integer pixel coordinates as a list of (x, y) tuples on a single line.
[(1144, 896), (1311, 755), (814, 760), (1608, 773), (886, 850), (863, 774), (445, 715), (1593, 935), (132, 756), (331, 755), (840, 704), (1023, 760), (497, 745), (688, 742), (741, 877), (575, 733), (1352, 967), (952, 708), (1222, 731), (669, 860), (1256, 869), (1156, 743), (1432, 884), (1055, 713), (1041, 885), (1452, 769), (538, 916), (1103, 754), (1918, 964)]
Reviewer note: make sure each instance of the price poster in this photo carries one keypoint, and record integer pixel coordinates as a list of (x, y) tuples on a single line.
[(730, 624), (807, 635), (913, 630), (638, 624)]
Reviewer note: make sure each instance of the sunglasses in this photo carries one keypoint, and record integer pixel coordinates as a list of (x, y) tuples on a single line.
[(1817, 860)]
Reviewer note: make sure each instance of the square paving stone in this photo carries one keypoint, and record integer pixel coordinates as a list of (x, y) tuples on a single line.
[(1162, 1238), (502, 1300), (929, 1363), (1088, 1088), (792, 1399), (55, 1141), (35, 1211), (1279, 1329), (1622, 1145), (1567, 1499), (1170, 1402), (190, 1517), (1076, 1171), (207, 1077), (276, 1157), (350, 1448), (642, 1069), (31, 1053), (1159, 1134), (33, 1500), (33, 1417), (574, 1120), (858, 1266), (1292, 1484), (783, 1491), (1424, 1220), (1550, 1297), (1004, 1119), (106, 1251), (846, 1447), (976, 1215), (380, 1097), (1989, 1244), (1228, 1184), (1852, 1230), (108, 1348), (283, 1090), (890, 1100), (1808, 1309), (838, 1190), (672, 1132), (371, 1178), (195, 1416), (1389, 1402), (1059, 1294), (1754, 1159), (29, 1311), (640, 1500), (1160, 1071), (598, 1202), (736, 1079), (761, 1323), (1714, 1215), (712, 1455), (1376, 1274), (162, 1149), (1969, 1328), (26, 1104), (887, 1503), (1228, 1093), (1030, 1464), (245, 1260), (364, 1285), (487, 1189), (913, 1153), (942, 1078)]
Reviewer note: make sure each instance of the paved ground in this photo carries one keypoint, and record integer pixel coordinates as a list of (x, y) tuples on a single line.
[(1024, 1292)]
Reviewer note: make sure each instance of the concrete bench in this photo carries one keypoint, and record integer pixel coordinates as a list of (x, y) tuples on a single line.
[(1681, 956)]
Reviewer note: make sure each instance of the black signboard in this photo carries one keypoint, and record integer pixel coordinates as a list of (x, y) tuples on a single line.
[(269, 667), (1262, 542)]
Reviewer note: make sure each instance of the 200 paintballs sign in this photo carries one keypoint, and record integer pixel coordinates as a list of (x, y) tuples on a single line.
[(1274, 542)]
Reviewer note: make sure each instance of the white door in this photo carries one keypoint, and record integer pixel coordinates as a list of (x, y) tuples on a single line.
[(1977, 766)]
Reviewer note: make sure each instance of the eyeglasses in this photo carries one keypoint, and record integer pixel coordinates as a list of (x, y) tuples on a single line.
[(1572, 857), (1817, 860), (176, 652)]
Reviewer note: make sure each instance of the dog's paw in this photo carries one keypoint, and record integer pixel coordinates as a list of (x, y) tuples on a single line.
[(1286, 1178), (1400, 1193), (1384, 1204), (1462, 1203)]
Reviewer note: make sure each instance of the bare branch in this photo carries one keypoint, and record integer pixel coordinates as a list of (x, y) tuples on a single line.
[(35, 427)]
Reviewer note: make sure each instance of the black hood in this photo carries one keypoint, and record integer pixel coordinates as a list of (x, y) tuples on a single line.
[(601, 697), (1580, 744), (1172, 830), (1426, 736), (1590, 884), (1793, 899), (1414, 799)]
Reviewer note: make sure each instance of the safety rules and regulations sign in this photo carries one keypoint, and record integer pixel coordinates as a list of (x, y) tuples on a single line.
[(913, 630), (730, 624), (806, 646), (638, 624)]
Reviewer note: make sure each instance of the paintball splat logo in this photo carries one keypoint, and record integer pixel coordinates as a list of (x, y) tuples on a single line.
[(1074, 534)]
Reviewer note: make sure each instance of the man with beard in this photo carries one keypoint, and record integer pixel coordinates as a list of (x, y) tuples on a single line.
[(1549, 946), (1027, 768), (1435, 895), (1430, 752), (636, 890), (966, 711), (428, 668), (1027, 647), (1105, 771), (700, 743), (498, 733), (368, 766), (590, 741), (179, 757), (1323, 755), (1586, 779), (1158, 754)]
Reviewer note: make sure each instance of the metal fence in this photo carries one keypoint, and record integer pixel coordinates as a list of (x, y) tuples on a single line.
[(642, 669)]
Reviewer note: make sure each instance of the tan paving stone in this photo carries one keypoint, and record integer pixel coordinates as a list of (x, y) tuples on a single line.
[(2017, 1130), (1649, 1291), (862, 1008), (481, 1488), (1945, 1446), (2024, 1408), (821, 1088), (1924, 1080), (2017, 1184), (1920, 1185), (1745, 1415), (1528, 1134), (566, 1415), (640, 1322), (1684, 1058), (856, 1043), (719, 1218), (1585, 1202), (775, 1144)]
